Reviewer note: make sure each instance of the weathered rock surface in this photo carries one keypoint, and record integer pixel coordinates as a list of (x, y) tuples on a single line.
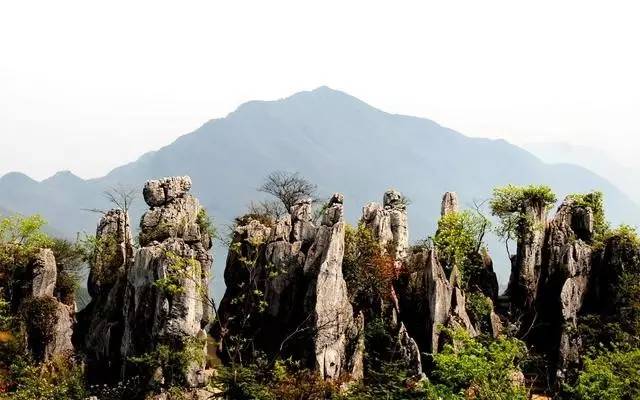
[(327, 299), (527, 265), (154, 296), (101, 323), (389, 222), (160, 192), (113, 235), (46, 335), (449, 203), (566, 273), (45, 273), (165, 291), (298, 268)]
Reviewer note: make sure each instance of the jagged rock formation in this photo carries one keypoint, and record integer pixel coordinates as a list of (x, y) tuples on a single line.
[(388, 222), (527, 264), (48, 322), (449, 203), (337, 332), (557, 276), (154, 296), (175, 251), (389, 225), (298, 267), (101, 323), (568, 265)]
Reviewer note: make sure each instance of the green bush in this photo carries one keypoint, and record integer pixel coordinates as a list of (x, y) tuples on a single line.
[(609, 376), (368, 269), (510, 203), (594, 201), (481, 369), (458, 239)]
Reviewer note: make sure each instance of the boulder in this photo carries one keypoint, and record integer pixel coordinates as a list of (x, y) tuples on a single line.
[(159, 192), (449, 203), (44, 274)]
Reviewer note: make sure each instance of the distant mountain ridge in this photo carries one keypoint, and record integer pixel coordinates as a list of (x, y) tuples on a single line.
[(595, 160), (337, 141)]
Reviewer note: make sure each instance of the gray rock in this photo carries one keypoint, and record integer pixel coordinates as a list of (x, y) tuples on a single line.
[(389, 223), (45, 273), (327, 298), (160, 192), (113, 235), (449, 203)]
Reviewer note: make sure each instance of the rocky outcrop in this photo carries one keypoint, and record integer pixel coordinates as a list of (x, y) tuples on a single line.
[(115, 244), (151, 298), (47, 322), (527, 265), (294, 269), (45, 273), (388, 222), (565, 278), (449, 203), (327, 299), (165, 299), (101, 323)]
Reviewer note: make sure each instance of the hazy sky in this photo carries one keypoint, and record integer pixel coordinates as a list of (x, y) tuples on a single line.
[(87, 86)]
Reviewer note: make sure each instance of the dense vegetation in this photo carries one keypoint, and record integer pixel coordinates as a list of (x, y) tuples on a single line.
[(480, 368)]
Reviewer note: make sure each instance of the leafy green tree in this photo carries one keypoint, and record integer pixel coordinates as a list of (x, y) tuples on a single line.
[(609, 376), (459, 239), (511, 205), (482, 369)]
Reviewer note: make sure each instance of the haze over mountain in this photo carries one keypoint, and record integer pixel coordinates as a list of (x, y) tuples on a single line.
[(597, 160), (337, 141)]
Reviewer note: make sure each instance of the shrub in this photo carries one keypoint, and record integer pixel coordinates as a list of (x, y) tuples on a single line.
[(206, 224), (40, 316), (609, 376), (594, 201), (59, 379), (479, 305), (482, 369), (510, 203), (20, 239), (458, 239), (368, 269), (174, 360)]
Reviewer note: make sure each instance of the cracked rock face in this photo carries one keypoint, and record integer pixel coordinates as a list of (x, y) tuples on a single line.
[(567, 272), (527, 264), (39, 291), (174, 253), (157, 193), (449, 203), (327, 298), (102, 321), (45, 273), (298, 267), (388, 222)]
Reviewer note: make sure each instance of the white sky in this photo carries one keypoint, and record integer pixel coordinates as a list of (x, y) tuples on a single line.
[(87, 86)]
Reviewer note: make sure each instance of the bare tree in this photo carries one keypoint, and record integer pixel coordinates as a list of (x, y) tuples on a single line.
[(288, 187), (269, 208), (122, 197)]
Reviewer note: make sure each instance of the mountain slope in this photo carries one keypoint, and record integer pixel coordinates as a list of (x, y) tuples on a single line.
[(593, 159), (334, 139)]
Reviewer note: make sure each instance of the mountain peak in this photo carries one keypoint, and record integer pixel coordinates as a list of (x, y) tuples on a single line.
[(15, 177)]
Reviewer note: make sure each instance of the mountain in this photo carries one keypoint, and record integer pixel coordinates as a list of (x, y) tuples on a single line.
[(596, 160), (337, 141)]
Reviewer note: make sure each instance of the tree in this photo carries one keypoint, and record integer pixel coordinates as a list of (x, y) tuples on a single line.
[(511, 204), (288, 187), (459, 237), (122, 197)]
